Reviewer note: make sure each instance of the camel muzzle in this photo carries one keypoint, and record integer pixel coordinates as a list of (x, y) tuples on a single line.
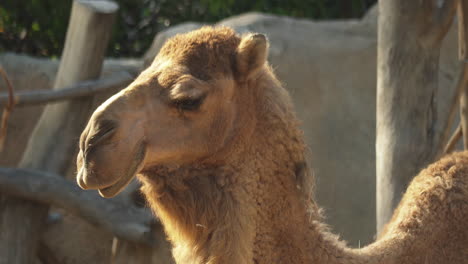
[(96, 134), (108, 158)]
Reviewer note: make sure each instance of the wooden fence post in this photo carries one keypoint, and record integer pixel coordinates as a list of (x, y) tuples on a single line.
[(55, 137)]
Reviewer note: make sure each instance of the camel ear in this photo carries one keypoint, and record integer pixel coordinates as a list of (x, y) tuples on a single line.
[(251, 55)]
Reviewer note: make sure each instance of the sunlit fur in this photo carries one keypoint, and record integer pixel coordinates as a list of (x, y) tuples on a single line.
[(230, 182)]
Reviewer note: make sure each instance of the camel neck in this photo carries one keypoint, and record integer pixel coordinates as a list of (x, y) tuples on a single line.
[(287, 222), (288, 226)]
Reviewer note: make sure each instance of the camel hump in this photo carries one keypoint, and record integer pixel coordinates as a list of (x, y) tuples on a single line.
[(444, 182)]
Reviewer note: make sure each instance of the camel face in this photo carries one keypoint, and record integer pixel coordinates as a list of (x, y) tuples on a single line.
[(180, 110)]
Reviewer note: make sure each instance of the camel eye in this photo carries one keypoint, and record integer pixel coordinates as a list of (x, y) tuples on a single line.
[(188, 104), (188, 95)]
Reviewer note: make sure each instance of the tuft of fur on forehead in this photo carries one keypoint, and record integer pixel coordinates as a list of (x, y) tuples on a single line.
[(206, 52)]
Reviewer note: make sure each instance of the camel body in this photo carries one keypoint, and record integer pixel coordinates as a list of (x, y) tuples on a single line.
[(213, 137)]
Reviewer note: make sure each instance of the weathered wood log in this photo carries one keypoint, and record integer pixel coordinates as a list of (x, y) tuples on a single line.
[(114, 82), (54, 139), (453, 140), (445, 144), (408, 134), (46, 255), (129, 223), (8, 107), (463, 55), (125, 252)]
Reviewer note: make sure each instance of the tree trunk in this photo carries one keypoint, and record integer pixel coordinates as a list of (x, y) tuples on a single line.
[(54, 139), (408, 135)]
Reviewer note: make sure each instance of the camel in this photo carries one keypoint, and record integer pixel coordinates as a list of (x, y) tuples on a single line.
[(212, 136)]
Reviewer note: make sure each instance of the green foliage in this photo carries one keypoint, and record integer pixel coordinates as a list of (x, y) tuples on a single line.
[(38, 27), (33, 26)]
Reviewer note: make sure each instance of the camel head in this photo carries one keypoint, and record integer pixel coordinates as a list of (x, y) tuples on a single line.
[(186, 107)]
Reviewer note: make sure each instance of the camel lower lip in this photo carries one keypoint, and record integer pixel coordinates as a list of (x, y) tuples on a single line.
[(112, 190), (117, 187), (108, 192)]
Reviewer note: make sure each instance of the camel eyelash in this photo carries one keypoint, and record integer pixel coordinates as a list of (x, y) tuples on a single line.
[(188, 103)]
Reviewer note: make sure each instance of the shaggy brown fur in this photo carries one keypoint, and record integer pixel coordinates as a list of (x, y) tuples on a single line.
[(238, 191)]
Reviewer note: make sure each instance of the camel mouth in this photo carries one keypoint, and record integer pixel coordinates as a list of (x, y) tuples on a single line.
[(135, 167), (105, 190)]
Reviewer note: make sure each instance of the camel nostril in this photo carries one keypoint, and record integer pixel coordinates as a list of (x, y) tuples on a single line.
[(103, 130)]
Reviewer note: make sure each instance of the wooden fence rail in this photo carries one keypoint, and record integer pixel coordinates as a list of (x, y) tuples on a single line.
[(114, 82), (125, 222)]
